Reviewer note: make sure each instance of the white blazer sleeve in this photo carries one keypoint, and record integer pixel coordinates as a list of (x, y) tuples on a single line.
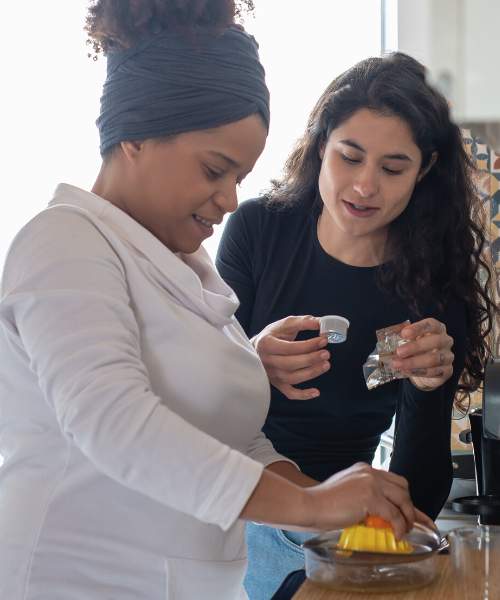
[(65, 305)]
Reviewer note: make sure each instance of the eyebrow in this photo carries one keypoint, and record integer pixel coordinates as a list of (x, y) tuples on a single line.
[(361, 149), (225, 158)]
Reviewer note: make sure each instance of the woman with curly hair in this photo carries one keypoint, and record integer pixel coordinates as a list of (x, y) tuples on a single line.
[(372, 220), (131, 401)]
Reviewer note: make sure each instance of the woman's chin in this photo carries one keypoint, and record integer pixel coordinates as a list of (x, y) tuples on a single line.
[(189, 246)]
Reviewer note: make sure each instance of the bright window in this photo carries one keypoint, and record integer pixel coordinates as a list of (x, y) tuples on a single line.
[(51, 90)]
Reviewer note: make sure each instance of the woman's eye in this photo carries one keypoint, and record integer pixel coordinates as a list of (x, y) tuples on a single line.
[(212, 173), (392, 171), (350, 159)]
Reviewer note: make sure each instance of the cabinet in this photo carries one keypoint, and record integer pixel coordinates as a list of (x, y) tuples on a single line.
[(458, 40)]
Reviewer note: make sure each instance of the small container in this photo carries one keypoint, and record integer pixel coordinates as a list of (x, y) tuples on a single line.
[(373, 572), (475, 556), (335, 327)]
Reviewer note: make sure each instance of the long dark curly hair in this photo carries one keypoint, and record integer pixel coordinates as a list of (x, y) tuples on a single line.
[(438, 239), (120, 24)]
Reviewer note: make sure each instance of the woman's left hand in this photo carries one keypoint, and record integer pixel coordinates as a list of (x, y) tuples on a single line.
[(426, 358)]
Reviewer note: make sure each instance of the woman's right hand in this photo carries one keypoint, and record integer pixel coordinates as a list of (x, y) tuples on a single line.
[(349, 496), (288, 362)]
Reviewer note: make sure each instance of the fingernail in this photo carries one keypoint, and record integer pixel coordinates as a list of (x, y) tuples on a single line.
[(314, 394), (326, 366), (325, 355), (323, 342), (397, 364)]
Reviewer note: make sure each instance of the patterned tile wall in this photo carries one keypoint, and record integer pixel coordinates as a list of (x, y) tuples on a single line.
[(487, 163), (487, 176)]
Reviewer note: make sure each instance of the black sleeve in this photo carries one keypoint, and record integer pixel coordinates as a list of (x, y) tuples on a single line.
[(422, 451), (235, 266)]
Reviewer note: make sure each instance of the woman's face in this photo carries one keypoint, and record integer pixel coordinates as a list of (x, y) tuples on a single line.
[(370, 165), (180, 188)]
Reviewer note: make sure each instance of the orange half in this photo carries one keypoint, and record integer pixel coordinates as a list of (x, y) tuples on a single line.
[(375, 535)]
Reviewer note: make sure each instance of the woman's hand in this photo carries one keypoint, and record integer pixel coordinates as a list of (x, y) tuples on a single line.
[(351, 495), (345, 499), (288, 362), (426, 358)]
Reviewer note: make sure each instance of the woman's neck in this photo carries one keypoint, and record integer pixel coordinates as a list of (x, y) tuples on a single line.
[(108, 185), (357, 251)]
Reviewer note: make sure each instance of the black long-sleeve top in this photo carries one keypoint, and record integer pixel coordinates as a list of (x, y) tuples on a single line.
[(277, 267)]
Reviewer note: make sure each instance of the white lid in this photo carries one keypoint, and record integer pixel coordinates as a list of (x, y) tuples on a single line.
[(334, 323)]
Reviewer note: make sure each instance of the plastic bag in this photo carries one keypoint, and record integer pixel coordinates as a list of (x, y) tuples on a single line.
[(378, 369)]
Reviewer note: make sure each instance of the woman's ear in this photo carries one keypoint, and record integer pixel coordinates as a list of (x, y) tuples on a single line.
[(432, 162), (131, 149)]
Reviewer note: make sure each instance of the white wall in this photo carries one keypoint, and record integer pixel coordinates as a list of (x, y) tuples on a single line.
[(414, 29)]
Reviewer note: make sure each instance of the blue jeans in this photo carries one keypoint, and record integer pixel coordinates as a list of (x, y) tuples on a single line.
[(272, 554)]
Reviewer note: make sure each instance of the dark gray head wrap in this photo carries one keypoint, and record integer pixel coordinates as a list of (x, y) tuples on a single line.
[(169, 84)]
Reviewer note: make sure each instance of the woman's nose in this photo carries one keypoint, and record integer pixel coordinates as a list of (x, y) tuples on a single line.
[(227, 198), (366, 183)]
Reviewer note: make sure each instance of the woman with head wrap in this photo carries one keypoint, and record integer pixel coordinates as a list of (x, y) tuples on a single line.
[(373, 220), (131, 400)]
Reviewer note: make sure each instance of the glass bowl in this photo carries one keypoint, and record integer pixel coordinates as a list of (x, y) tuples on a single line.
[(373, 572)]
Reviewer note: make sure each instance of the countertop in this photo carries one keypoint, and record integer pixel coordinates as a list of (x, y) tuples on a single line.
[(440, 589)]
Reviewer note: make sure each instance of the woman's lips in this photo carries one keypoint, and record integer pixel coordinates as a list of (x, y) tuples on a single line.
[(358, 210), (205, 226)]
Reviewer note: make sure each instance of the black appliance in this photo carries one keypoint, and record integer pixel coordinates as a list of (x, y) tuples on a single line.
[(484, 434)]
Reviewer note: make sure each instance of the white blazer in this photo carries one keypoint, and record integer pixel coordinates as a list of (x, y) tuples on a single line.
[(131, 404)]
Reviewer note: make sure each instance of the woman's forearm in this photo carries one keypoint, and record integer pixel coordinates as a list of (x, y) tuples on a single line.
[(276, 500), (343, 499)]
